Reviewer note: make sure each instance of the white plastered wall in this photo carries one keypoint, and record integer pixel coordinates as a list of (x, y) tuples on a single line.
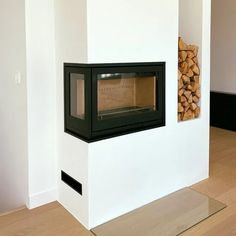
[(135, 169), (190, 23), (41, 101), (13, 107), (71, 46), (223, 46), (190, 27), (28, 104)]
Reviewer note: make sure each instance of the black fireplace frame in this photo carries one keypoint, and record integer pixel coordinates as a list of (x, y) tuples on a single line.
[(90, 129)]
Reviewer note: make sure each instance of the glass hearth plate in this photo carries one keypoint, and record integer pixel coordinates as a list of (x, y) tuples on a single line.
[(168, 216)]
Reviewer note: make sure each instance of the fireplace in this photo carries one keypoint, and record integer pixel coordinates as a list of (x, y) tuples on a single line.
[(107, 100)]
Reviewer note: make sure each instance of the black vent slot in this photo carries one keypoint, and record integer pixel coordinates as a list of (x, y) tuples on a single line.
[(77, 186)]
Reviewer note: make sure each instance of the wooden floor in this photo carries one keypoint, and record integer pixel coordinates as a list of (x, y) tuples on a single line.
[(53, 219), (221, 185)]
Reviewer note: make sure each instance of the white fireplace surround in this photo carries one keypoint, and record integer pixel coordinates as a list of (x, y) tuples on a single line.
[(126, 172)]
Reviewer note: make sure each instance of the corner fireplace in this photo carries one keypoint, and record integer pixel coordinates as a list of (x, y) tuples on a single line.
[(107, 100)]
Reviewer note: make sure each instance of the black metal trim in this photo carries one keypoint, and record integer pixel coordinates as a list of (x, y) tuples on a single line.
[(97, 136), (74, 184), (104, 65), (73, 123), (223, 110)]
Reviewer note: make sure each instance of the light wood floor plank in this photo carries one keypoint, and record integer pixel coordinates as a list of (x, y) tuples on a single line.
[(48, 220), (221, 185)]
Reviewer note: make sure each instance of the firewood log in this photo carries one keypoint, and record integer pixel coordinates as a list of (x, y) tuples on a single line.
[(186, 79), (179, 116), (179, 74), (183, 55), (193, 106), (189, 87), (180, 83), (180, 107), (190, 73), (190, 99), (186, 108), (198, 93), (197, 112), (195, 99), (190, 54), (188, 115), (195, 69), (183, 99), (187, 94), (181, 92), (184, 68), (194, 86), (182, 45), (195, 60), (185, 104), (194, 49), (190, 62), (196, 79)]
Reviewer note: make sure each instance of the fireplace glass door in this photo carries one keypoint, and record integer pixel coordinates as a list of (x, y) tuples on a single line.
[(124, 97), (124, 94), (77, 95)]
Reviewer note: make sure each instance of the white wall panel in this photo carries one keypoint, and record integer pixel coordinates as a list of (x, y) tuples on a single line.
[(13, 107)]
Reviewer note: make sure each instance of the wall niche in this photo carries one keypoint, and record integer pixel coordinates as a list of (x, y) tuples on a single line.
[(189, 59), (189, 93)]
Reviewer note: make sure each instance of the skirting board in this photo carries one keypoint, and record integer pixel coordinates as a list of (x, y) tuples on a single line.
[(42, 198), (12, 211), (223, 110)]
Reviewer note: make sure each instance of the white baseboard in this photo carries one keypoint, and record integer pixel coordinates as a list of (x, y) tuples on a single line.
[(42, 198), (12, 211)]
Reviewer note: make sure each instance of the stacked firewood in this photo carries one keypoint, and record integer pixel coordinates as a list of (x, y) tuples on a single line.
[(188, 82)]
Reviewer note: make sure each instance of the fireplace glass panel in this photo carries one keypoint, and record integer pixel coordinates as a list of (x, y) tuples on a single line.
[(77, 99), (123, 94)]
